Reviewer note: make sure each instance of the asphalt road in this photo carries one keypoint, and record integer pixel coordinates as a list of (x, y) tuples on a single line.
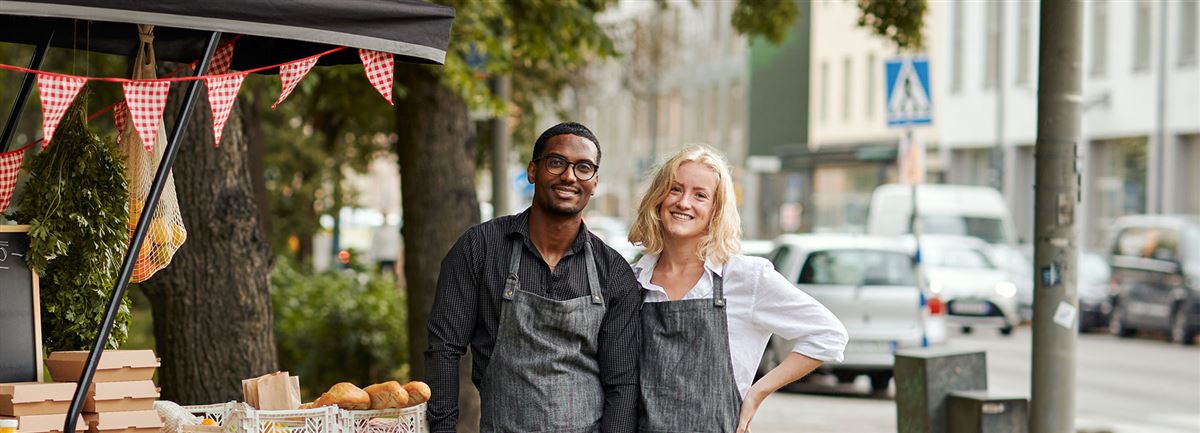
[(1140, 385)]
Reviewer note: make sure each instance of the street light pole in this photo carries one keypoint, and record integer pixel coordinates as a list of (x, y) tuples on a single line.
[(1057, 194)]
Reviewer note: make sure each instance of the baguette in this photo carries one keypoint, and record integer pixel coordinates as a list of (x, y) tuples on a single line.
[(387, 395), (346, 396)]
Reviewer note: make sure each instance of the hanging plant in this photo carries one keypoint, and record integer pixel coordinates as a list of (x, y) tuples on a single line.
[(76, 204)]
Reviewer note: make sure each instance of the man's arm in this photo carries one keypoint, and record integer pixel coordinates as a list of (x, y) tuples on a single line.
[(451, 323), (619, 347)]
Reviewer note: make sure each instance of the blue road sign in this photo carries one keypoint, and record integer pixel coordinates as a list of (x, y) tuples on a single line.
[(908, 97)]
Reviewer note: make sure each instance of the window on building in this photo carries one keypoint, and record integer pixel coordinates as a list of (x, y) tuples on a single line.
[(825, 92), (847, 85), (1099, 38), (1187, 33), (956, 55), (991, 49), (869, 72), (1141, 37), (1024, 41)]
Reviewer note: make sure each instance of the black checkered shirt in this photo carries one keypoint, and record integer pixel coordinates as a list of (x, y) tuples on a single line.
[(467, 310)]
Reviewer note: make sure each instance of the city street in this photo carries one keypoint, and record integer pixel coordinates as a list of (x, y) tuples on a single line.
[(1142, 385)]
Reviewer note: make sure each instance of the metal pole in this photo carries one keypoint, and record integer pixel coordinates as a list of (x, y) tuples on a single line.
[(501, 143), (1057, 195), (135, 244), (1158, 151), (14, 117)]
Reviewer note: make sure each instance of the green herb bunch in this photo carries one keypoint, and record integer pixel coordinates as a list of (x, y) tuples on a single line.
[(76, 203)]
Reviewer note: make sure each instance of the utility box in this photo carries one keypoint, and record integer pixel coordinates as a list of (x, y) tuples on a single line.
[(924, 380), (983, 412)]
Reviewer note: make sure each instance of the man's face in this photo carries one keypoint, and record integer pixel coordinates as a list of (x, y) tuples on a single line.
[(563, 194)]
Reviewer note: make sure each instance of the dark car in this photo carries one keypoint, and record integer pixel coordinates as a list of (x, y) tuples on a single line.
[(1155, 262)]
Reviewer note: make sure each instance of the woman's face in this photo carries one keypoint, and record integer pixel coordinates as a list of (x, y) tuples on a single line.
[(687, 210)]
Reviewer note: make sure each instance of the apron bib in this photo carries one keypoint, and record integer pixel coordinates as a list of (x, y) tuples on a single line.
[(543, 376), (685, 368)]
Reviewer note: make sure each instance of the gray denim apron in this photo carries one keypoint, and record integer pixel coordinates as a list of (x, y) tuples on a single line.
[(543, 376), (686, 371)]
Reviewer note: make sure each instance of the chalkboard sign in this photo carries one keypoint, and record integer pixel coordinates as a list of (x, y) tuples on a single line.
[(20, 310)]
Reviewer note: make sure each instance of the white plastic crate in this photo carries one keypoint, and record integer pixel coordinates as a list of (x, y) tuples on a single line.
[(317, 420), (407, 420)]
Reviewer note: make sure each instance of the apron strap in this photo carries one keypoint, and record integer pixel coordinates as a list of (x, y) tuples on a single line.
[(512, 283), (719, 289), (593, 276)]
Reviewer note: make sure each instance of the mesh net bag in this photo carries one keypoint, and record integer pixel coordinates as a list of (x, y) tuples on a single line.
[(166, 233)]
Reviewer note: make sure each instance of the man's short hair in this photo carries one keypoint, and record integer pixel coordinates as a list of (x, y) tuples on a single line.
[(565, 128)]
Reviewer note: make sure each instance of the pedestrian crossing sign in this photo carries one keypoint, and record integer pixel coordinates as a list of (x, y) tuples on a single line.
[(909, 101)]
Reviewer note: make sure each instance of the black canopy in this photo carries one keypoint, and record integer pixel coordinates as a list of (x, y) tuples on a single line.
[(274, 31)]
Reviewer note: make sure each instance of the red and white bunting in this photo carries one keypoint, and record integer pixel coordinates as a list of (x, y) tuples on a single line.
[(379, 67), (56, 92), (221, 60), (290, 74), (10, 165), (222, 91), (120, 115), (146, 99)]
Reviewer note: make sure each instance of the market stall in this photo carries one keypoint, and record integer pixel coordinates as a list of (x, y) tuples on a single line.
[(222, 41)]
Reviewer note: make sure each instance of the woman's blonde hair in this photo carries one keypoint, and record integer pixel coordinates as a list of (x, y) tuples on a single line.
[(723, 239)]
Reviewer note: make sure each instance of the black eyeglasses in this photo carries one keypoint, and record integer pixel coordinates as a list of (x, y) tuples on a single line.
[(557, 165)]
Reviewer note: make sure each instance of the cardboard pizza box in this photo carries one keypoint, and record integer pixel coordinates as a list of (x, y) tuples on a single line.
[(35, 398), (113, 366)]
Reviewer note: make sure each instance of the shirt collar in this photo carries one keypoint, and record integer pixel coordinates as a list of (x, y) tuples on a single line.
[(644, 268), (520, 226)]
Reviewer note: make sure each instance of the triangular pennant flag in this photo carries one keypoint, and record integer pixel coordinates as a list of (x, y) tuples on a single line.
[(56, 92), (10, 165), (379, 66), (290, 74), (120, 115), (146, 99), (222, 91), (221, 59)]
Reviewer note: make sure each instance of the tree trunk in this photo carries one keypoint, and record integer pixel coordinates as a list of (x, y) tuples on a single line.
[(437, 174), (212, 305)]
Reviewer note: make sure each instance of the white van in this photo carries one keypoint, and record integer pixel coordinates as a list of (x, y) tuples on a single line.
[(958, 210), (975, 211)]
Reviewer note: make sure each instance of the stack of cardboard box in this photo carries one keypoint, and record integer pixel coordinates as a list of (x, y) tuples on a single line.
[(122, 394)]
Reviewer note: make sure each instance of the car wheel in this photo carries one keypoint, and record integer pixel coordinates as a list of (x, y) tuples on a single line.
[(1179, 331), (845, 376), (1007, 330), (879, 382), (967, 330), (1116, 324)]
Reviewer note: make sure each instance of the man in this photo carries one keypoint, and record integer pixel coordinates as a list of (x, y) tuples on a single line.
[(550, 312)]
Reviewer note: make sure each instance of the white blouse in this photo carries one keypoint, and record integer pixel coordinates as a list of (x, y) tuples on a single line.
[(759, 302)]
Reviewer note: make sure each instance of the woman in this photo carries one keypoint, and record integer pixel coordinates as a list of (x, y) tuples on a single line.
[(709, 311)]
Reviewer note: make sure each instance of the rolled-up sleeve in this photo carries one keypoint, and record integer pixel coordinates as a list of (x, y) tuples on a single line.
[(788, 312)]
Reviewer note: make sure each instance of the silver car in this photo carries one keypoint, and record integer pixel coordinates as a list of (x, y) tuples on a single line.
[(872, 286), (976, 291)]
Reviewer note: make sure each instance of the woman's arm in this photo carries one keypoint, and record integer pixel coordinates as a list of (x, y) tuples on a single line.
[(794, 367)]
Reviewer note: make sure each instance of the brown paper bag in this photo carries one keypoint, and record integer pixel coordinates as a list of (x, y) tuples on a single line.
[(275, 391)]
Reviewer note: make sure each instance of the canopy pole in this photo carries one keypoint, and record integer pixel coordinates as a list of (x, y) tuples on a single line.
[(14, 117), (135, 244)]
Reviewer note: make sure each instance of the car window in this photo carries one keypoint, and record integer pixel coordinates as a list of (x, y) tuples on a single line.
[(779, 257), (1157, 243), (857, 268)]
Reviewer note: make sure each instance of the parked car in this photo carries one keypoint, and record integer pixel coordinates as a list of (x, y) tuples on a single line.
[(757, 248), (976, 292), (1094, 293), (1155, 262), (872, 285)]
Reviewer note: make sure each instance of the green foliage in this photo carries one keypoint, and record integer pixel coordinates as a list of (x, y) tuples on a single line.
[(76, 204), (898, 20), (768, 18), (338, 326)]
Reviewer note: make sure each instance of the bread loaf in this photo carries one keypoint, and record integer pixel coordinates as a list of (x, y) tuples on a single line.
[(346, 396), (418, 392), (387, 395)]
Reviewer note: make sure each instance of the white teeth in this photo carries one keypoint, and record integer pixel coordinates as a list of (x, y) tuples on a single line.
[(682, 217)]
